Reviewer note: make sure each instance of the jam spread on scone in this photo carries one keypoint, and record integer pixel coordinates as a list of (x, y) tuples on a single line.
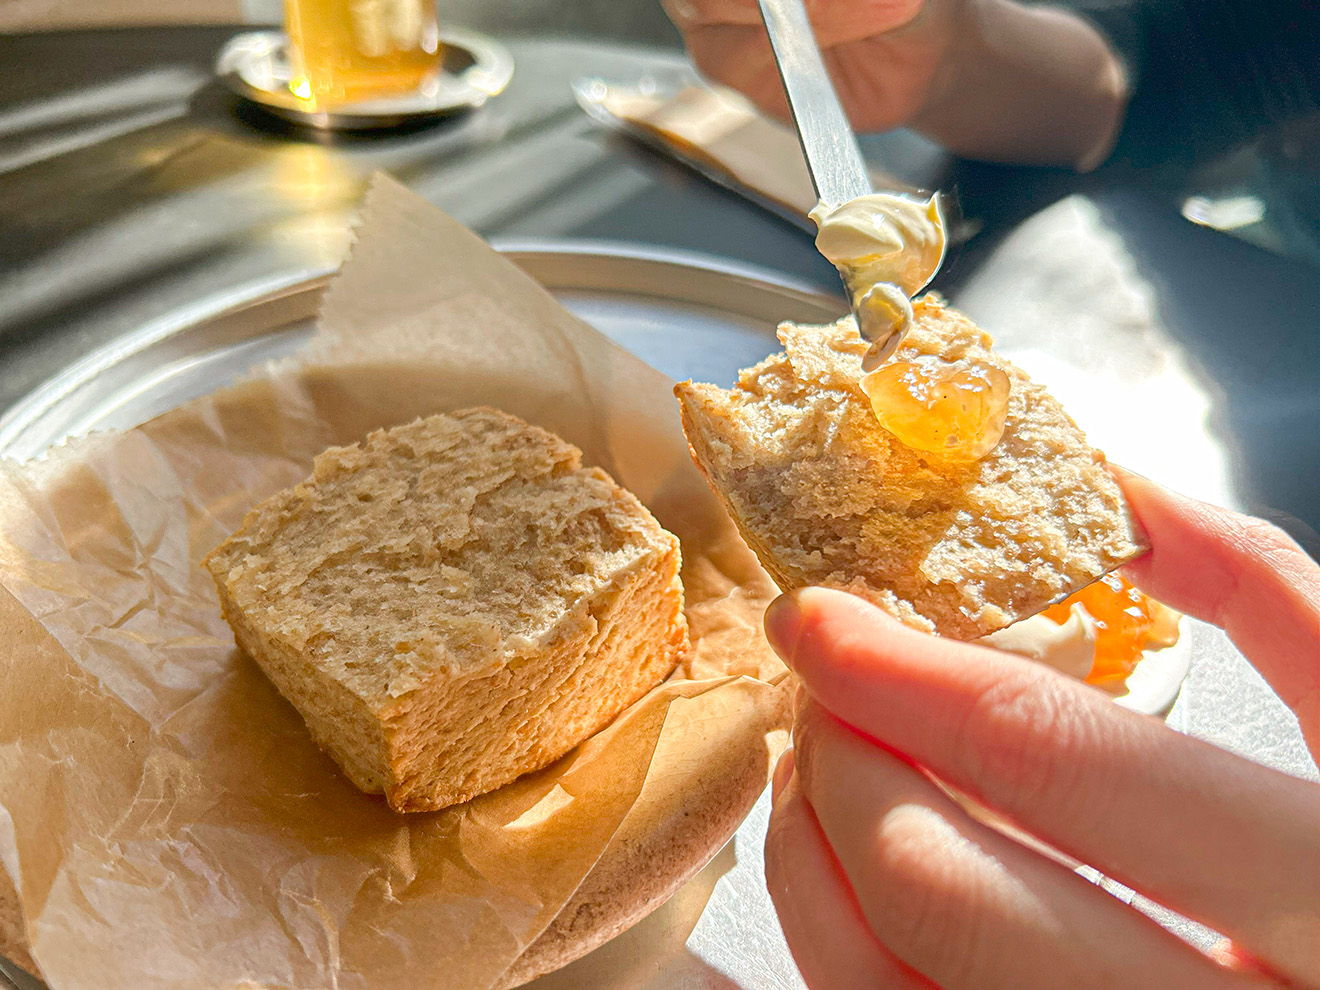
[(887, 246), (1127, 624), (955, 409)]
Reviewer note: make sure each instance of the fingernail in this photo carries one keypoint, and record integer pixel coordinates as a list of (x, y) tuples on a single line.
[(783, 621), (783, 771)]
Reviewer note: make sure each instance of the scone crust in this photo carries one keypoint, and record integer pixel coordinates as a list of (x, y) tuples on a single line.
[(825, 496)]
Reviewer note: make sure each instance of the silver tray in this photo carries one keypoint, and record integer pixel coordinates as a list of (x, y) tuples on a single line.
[(689, 315)]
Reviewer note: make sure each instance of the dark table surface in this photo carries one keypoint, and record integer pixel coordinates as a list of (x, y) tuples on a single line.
[(131, 183)]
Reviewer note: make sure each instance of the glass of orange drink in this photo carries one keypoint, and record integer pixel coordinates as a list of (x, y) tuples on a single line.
[(348, 50)]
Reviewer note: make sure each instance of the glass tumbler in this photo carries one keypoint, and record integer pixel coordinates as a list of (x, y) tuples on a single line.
[(348, 50)]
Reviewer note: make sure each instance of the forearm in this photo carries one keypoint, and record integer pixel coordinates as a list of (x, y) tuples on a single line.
[(1026, 84)]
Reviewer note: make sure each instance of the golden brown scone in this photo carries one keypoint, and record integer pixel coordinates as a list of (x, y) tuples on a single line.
[(826, 496), (453, 603)]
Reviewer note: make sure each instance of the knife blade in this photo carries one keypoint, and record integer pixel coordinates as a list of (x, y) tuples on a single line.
[(837, 169)]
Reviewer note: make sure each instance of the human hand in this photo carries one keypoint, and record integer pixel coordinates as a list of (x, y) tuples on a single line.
[(993, 79), (884, 55), (881, 880)]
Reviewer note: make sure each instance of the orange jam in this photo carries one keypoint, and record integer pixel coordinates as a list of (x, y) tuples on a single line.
[(957, 410), (1126, 624)]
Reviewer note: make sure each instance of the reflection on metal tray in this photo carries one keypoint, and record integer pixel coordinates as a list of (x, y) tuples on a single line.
[(687, 315)]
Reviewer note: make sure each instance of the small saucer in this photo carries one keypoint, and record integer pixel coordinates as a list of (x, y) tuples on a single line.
[(474, 68)]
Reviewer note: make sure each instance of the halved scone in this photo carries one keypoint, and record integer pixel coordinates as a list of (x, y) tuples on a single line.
[(826, 496)]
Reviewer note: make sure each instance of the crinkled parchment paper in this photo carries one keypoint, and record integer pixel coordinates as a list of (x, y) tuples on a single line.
[(164, 817)]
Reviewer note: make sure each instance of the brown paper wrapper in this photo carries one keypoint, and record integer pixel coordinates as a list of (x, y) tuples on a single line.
[(164, 817)]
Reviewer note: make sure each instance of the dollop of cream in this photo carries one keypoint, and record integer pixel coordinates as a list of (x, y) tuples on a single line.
[(1069, 648), (887, 247), (883, 237)]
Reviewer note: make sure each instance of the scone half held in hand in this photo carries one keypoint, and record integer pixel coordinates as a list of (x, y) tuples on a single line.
[(453, 603), (826, 496)]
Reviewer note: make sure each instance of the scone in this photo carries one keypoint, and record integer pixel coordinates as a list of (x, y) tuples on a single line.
[(826, 496), (453, 603)]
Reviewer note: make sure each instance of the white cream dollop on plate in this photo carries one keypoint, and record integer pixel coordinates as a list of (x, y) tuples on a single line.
[(1069, 647), (1151, 688)]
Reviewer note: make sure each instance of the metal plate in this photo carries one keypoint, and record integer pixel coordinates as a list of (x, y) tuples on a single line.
[(688, 315), (255, 66)]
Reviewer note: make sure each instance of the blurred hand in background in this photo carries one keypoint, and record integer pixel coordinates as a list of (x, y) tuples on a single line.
[(1152, 81), (884, 55), (986, 78)]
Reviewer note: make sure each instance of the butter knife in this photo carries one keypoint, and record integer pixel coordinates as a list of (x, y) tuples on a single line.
[(833, 158), (882, 311)]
